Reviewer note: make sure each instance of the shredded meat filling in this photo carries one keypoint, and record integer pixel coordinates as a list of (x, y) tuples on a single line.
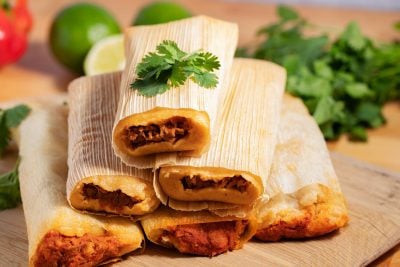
[(236, 182), (56, 249), (115, 199), (172, 130), (206, 239)]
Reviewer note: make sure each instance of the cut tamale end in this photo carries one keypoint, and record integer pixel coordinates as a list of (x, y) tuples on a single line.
[(305, 195), (312, 211), (220, 208), (163, 129), (78, 239), (58, 235), (187, 183), (200, 233), (114, 195)]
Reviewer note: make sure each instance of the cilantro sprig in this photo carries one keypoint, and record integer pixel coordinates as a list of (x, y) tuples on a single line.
[(10, 118), (343, 83), (10, 195), (9, 184), (171, 67)]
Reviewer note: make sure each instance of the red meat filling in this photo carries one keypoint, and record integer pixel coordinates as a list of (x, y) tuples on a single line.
[(56, 249), (206, 239), (172, 130)]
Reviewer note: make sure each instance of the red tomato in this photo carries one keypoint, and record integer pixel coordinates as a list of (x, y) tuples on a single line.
[(15, 23)]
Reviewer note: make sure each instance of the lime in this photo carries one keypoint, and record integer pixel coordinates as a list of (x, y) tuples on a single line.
[(75, 29), (107, 55), (161, 12)]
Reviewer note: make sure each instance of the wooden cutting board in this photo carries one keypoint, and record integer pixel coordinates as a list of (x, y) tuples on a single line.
[(46, 76), (373, 196)]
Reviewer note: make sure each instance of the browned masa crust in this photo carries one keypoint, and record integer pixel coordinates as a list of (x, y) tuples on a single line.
[(313, 220)]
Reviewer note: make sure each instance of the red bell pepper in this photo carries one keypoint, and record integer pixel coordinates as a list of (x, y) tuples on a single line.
[(15, 23)]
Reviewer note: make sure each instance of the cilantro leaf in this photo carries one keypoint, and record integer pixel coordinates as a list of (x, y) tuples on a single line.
[(179, 75), (358, 133), (170, 67), (326, 110), (287, 13), (15, 115), (358, 90), (10, 195), (370, 114), (323, 70), (10, 118), (171, 50), (352, 37), (4, 132), (205, 79), (207, 61), (150, 87), (152, 64)]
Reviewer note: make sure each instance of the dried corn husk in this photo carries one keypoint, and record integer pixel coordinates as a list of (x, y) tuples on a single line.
[(305, 196), (156, 225), (244, 144), (197, 104), (93, 103), (42, 175)]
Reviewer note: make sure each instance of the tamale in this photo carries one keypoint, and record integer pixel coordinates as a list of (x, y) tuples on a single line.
[(98, 181), (305, 195), (200, 233), (179, 119), (58, 235), (240, 155)]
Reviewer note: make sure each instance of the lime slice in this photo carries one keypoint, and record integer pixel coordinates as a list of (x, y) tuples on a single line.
[(107, 55)]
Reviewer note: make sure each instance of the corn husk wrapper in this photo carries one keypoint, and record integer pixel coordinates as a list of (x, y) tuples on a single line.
[(248, 127), (42, 175), (91, 160), (302, 196), (155, 224), (201, 32)]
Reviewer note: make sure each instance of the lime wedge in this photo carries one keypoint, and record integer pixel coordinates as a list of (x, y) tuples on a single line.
[(107, 55)]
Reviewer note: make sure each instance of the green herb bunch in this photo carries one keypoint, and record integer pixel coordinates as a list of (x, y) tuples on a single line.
[(344, 84), (9, 184), (170, 67)]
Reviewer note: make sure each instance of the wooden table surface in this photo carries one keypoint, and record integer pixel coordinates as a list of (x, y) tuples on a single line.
[(37, 73)]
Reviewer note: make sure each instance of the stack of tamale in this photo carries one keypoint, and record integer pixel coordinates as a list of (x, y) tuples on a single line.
[(252, 161)]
